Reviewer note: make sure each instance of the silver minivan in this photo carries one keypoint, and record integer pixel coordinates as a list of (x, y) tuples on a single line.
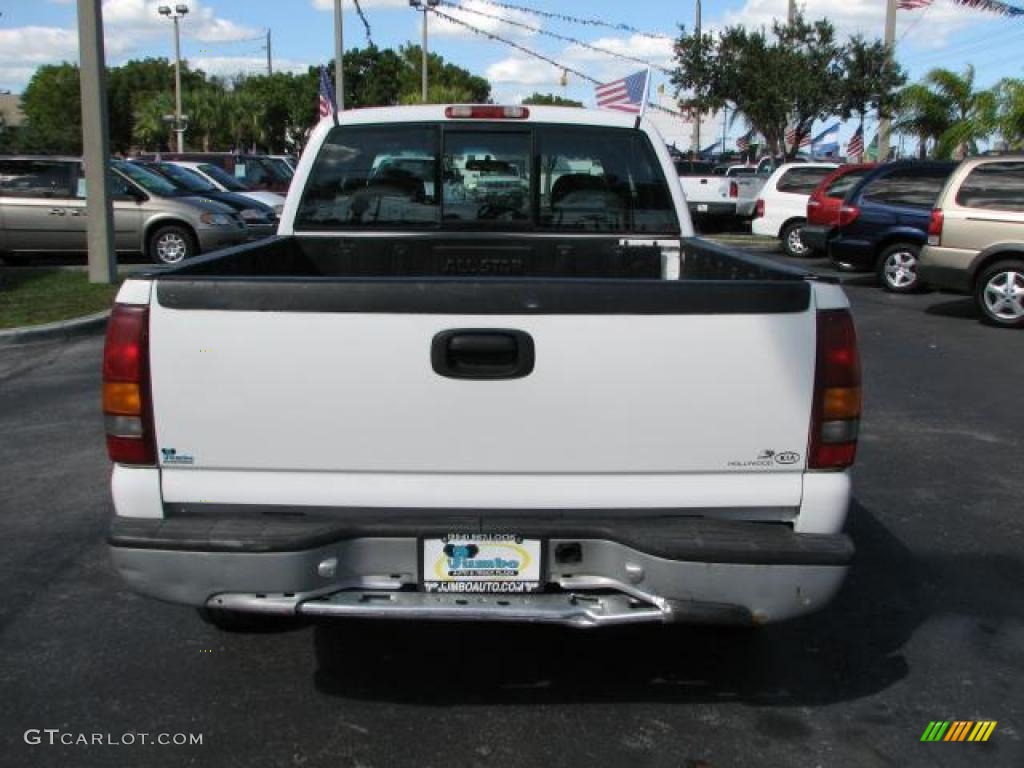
[(44, 209)]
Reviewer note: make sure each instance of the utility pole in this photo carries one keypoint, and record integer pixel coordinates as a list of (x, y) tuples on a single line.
[(884, 125), (96, 143), (180, 10), (270, 58), (696, 103), (339, 51), (791, 16), (424, 6)]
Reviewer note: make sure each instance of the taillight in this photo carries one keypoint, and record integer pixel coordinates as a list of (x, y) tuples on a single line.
[(127, 406), (835, 418), (759, 208), (734, 189), (848, 214), (486, 112), (935, 227)]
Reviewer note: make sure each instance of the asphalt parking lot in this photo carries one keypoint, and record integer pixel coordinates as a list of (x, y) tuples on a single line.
[(929, 626)]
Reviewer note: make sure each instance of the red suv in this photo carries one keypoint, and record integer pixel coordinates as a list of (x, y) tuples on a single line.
[(825, 205)]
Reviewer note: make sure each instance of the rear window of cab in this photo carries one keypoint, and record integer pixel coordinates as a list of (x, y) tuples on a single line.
[(493, 176)]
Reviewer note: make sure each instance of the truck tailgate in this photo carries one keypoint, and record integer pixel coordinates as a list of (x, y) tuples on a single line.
[(640, 392)]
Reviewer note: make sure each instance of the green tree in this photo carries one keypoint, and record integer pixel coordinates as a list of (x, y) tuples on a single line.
[(150, 130), (1009, 94), (440, 94), (871, 80), (923, 114), (441, 73), (53, 109), (550, 99), (791, 76), (946, 107)]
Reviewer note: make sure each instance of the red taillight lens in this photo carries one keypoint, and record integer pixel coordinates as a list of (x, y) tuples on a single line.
[(734, 189), (485, 112), (127, 406), (935, 227), (848, 214), (759, 208), (835, 418)]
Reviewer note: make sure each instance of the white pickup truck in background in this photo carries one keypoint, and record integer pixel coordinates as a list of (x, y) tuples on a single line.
[(425, 401), (708, 195)]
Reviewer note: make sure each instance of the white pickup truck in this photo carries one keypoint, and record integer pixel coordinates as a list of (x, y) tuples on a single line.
[(419, 405), (708, 196)]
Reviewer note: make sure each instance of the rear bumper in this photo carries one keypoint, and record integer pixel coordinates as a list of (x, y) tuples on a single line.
[(945, 268), (816, 236), (712, 209), (599, 571)]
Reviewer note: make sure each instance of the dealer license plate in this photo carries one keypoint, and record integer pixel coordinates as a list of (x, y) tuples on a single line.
[(481, 563)]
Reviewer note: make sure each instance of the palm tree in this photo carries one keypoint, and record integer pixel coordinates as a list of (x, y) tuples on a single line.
[(149, 125), (206, 116), (1010, 120), (946, 107), (922, 113)]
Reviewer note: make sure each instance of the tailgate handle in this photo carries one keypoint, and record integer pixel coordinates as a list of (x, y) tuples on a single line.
[(472, 353)]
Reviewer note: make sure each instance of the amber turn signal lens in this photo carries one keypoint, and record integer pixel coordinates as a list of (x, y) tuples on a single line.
[(122, 398), (841, 403)]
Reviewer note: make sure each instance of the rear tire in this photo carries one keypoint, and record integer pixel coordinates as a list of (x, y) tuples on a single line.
[(897, 268), (999, 294), (171, 244), (792, 242)]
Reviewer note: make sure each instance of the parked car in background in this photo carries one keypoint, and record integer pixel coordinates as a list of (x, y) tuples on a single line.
[(285, 163), (825, 205), (260, 219), (254, 171), (884, 221), (43, 209), (707, 196), (976, 237), (228, 183), (781, 207)]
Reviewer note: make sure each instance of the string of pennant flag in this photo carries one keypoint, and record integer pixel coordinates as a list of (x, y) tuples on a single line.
[(990, 6)]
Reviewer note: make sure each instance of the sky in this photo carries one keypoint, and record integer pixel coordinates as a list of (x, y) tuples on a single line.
[(227, 37)]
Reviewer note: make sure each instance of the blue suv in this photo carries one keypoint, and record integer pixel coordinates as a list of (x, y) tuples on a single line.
[(885, 218)]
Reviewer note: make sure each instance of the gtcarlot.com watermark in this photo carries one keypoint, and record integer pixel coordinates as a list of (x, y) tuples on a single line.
[(55, 737)]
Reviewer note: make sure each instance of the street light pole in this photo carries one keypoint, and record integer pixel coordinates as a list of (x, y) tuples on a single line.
[(424, 6), (180, 10), (177, 86)]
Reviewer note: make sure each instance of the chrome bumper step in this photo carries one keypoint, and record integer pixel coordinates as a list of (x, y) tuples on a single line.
[(615, 604)]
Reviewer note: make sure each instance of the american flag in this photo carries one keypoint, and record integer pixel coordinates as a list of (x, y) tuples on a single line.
[(855, 148), (912, 5), (625, 95), (791, 137), (743, 142), (327, 101)]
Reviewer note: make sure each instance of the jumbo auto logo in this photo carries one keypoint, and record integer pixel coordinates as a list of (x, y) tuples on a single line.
[(467, 560)]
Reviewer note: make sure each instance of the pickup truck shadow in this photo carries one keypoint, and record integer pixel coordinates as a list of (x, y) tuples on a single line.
[(851, 649)]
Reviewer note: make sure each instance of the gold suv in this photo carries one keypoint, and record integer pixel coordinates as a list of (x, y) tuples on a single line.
[(976, 237)]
